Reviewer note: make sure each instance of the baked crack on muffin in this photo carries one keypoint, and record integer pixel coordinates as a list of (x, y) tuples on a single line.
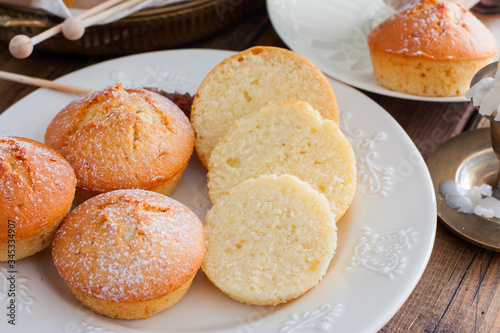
[(37, 187), (120, 138), (129, 253)]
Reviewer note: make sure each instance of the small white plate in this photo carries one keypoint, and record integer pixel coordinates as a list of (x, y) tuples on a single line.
[(332, 34), (385, 238)]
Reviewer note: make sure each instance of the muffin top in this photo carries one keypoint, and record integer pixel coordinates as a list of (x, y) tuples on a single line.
[(128, 246), (37, 186), (434, 29), (120, 138)]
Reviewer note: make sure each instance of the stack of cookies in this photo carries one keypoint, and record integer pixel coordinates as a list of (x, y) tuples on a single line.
[(280, 174)]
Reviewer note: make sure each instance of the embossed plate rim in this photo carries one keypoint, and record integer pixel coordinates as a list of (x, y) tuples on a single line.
[(385, 239)]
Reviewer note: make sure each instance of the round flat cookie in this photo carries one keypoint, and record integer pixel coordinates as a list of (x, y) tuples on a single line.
[(288, 137), (269, 241), (246, 81)]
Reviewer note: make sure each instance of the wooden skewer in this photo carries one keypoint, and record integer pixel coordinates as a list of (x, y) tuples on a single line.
[(44, 83), (21, 46)]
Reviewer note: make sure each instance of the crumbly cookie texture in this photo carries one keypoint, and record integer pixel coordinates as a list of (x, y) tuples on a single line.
[(270, 240), (246, 81), (287, 137)]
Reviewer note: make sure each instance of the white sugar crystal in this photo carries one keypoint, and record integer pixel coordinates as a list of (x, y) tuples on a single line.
[(461, 203), (486, 190), (477, 200)]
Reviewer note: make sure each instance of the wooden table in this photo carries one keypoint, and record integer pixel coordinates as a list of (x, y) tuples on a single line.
[(460, 288)]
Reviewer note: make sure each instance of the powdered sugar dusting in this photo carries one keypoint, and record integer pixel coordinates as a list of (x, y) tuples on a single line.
[(36, 184), (435, 29), (118, 139), (129, 245)]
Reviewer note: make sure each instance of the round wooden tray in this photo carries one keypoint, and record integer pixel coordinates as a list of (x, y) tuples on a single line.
[(146, 30)]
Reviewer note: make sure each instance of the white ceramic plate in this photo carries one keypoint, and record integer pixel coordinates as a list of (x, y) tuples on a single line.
[(332, 34), (385, 239)]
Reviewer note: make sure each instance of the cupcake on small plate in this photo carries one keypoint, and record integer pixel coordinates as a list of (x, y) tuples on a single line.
[(430, 48)]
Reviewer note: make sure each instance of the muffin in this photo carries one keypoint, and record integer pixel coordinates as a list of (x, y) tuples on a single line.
[(129, 253), (37, 186), (269, 241), (287, 137), (430, 48), (246, 81), (120, 138)]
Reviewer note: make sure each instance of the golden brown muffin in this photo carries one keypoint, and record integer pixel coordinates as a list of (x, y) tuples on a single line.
[(129, 253), (244, 82), (37, 186), (430, 48), (120, 138)]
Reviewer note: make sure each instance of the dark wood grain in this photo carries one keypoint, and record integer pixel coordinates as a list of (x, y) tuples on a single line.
[(458, 291), (428, 124), (460, 288)]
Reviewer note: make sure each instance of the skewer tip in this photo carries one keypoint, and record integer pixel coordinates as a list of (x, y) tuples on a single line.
[(20, 46), (73, 28)]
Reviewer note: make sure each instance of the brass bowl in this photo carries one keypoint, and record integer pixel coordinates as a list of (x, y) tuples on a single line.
[(468, 159), (146, 30), (471, 159)]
